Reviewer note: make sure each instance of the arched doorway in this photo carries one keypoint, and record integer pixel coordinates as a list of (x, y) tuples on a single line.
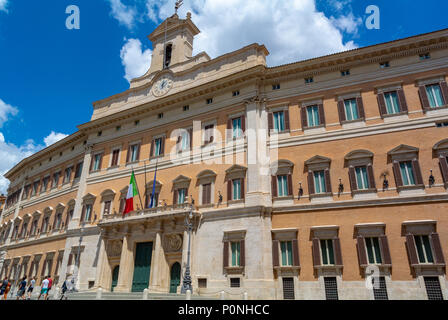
[(115, 273), (175, 277)]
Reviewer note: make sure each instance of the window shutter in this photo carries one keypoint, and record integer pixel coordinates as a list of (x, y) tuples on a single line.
[(178, 143), (385, 252), (337, 252), (287, 120), (424, 98), (83, 213), (274, 186), (352, 178), (243, 193), (151, 153), (229, 129), (362, 256), (175, 196), (204, 194), (443, 168), (290, 192), (382, 104), (310, 183), (397, 174), (402, 100), (162, 146), (410, 244), (99, 167), (128, 156), (242, 253), (270, 122), (371, 176), (229, 190), (321, 114), (304, 119), (438, 253), (226, 254), (341, 111), (275, 260), (360, 105), (316, 252), (190, 133), (243, 123), (417, 171), (444, 89), (327, 180), (295, 253), (91, 162)]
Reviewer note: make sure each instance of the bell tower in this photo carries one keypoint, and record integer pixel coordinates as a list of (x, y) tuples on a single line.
[(172, 42)]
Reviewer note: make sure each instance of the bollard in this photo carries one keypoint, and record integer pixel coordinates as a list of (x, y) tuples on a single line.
[(145, 294), (188, 295), (245, 296), (99, 294), (221, 295)]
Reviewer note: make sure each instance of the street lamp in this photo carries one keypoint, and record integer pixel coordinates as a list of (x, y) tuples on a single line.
[(189, 227)]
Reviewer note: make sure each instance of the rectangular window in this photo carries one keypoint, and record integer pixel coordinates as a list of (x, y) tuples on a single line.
[(88, 212), (35, 187), (134, 153), (78, 170), (379, 289), (235, 282), (107, 207), (235, 248), (385, 65), (425, 56), (181, 195), (327, 252), (288, 288), (45, 224), (67, 174), (55, 181), (209, 101), (319, 182), (276, 86), (202, 283), (185, 140), (235, 93), (362, 180), (392, 104), (158, 147), (115, 155), (331, 288), (236, 189), (237, 128), (286, 250), (345, 73), (313, 116), (96, 162), (209, 133), (309, 80), (45, 184), (407, 173), (58, 221), (351, 110), (155, 202), (282, 186), (279, 121), (423, 249), (434, 96), (206, 193), (433, 289), (373, 250)]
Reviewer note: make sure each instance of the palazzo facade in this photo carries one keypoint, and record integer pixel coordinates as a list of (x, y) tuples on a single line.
[(301, 181)]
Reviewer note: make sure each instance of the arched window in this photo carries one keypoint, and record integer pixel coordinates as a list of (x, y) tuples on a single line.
[(168, 51)]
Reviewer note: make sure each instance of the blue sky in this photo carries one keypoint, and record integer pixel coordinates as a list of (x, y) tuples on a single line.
[(49, 75)]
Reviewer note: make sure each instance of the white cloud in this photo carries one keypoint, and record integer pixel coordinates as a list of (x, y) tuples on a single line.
[(291, 30), (5, 111), (3, 5), (348, 23), (125, 15), (54, 137), (135, 61)]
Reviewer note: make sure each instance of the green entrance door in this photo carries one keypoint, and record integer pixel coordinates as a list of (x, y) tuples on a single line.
[(175, 277), (142, 266), (115, 273)]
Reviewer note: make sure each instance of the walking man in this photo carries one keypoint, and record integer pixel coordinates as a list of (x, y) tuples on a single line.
[(50, 283), (21, 290), (4, 286), (44, 288), (31, 287)]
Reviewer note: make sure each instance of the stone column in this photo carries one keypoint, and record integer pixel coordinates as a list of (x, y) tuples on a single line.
[(155, 284), (103, 271), (126, 266)]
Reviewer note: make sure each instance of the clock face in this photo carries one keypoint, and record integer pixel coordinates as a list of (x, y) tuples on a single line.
[(162, 86)]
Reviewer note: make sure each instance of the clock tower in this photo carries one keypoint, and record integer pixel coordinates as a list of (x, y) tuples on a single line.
[(172, 42)]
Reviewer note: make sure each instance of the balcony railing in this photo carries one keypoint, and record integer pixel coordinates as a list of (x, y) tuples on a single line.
[(147, 212)]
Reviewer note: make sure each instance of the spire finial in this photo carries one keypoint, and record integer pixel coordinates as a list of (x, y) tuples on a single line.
[(179, 4)]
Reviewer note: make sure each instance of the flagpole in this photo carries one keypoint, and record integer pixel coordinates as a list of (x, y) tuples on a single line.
[(139, 196), (146, 191)]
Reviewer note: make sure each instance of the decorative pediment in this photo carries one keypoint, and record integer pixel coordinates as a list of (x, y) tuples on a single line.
[(89, 197), (37, 213), (441, 146), (235, 172), (403, 149), (236, 168), (60, 206), (359, 154), (108, 192), (71, 203), (18, 220), (124, 190), (150, 184), (206, 174), (318, 160), (27, 216), (181, 179), (48, 210), (281, 167)]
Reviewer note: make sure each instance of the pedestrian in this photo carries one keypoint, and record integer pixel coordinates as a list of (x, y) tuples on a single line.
[(64, 289), (21, 290), (43, 288), (3, 286), (31, 287), (8, 287), (50, 283)]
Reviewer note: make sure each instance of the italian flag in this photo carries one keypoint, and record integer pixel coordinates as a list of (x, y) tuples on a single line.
[(132, 192)]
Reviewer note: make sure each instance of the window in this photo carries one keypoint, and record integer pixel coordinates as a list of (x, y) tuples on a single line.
[(407, 173), (185, 140), (45, 224), (351, 110), (235, 248), (392, 103), (155, 201), (208, 133), (24, 228), (384, 65), (313, 116), (345, 73), (235, 282), (58, 221), (185, 108), (235, 93), (209, 101), (67, 174), (35, 188), (236, 189), (206, 193), (282, 186), (379, 289), (441, 124), (45, 184), (424, 251), (100, 133), (160, 115), (34, 227), (78, 170), (55, 181), (309, 80), (362, 180), (158, 147), (319, 182), (237, 129), (279, 121), (202, 283), (276, 86), (425, 56), (435, 97), (115, 155), (87, 212), (97, 162), (288, 288), (286, 251), (331, 288), (134, 151), (327, 252), (433, 290), (373, 250), (118, 128), (181, 195), (106, 210)]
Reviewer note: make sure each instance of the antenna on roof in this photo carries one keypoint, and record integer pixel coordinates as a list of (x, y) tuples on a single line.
[(179, 4)]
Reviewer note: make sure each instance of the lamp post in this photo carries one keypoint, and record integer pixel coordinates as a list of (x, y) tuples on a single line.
[(187, 276)]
